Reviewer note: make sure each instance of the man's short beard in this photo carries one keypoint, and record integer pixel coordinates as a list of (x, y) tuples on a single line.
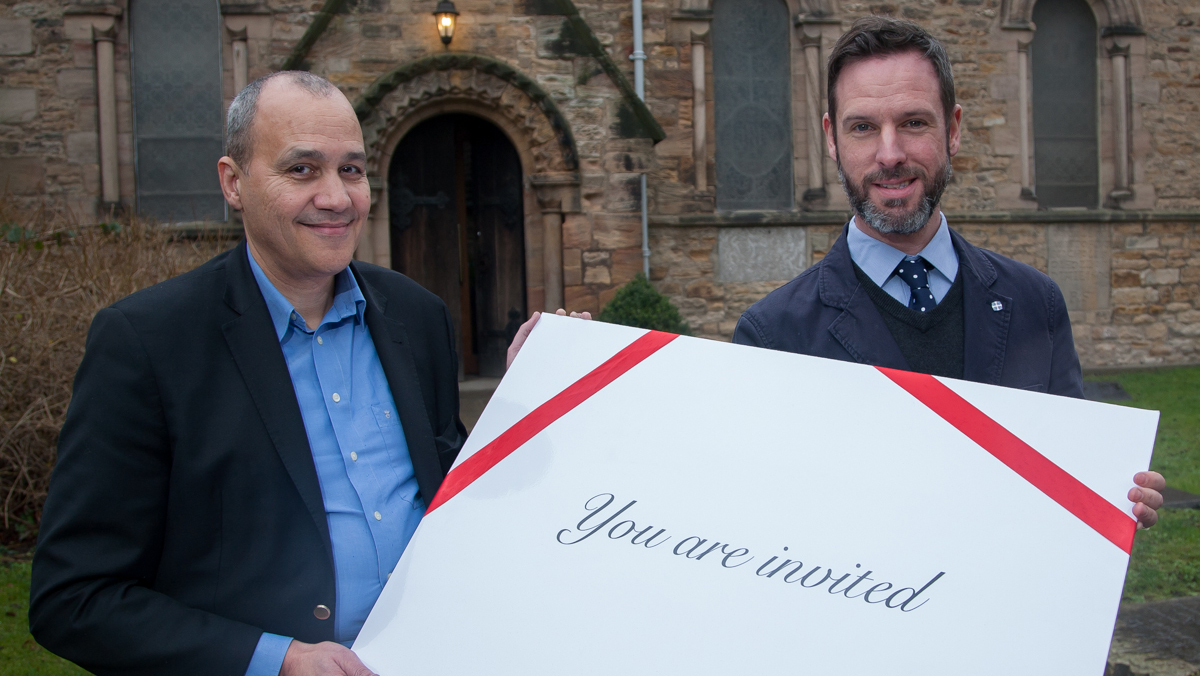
[(904, 223)]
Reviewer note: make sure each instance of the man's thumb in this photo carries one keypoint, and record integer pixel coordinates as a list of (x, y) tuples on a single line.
[(352, 666)]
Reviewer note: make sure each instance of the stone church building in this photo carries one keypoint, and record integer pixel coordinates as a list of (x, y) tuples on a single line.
[(507, 160)]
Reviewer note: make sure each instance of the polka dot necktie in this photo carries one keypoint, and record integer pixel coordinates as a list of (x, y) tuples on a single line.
[(914, 273)]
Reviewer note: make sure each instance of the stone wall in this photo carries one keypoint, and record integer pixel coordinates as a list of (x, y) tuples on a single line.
[(49, 147), (1132, 288), (1155, 298), (1132, 303), (47, 86), (983, 42), (1168, 94)]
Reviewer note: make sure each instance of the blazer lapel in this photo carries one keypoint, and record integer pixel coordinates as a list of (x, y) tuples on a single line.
[(986, 316), (255, 348), (399, 367), (859, 328)]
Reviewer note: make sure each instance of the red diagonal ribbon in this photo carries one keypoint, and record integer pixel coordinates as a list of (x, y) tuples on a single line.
[(540, 418), (1105, 518)]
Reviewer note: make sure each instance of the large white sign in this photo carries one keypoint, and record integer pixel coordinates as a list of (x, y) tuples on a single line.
[(633, 504)]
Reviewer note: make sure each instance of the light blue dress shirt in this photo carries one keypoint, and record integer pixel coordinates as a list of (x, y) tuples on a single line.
[(358, 447), (879, 260)]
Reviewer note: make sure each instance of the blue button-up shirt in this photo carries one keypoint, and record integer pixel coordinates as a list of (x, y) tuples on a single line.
[(879, 260), (358, 447)]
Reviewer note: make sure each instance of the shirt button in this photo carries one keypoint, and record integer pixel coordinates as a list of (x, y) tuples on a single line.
[(336, 397), (354, 456), (321, 612), (378, 516), (387, 414), (320, 341)]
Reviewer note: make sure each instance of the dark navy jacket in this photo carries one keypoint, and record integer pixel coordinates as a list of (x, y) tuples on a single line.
[(185, 515), (1017, 333)]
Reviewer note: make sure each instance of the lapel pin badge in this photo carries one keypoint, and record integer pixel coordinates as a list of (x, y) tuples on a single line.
[(997, 306)]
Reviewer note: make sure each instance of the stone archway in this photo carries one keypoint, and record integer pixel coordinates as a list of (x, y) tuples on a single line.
[(490, 89), (1124, 16)]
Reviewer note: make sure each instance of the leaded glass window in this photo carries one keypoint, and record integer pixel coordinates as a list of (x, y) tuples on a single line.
[(753, 104), (1065, 151), (177, 108)]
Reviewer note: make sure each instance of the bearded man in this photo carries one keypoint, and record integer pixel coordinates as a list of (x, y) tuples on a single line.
[(899, 288)]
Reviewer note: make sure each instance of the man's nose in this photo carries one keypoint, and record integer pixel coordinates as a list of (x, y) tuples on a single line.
[(332, 194), (891, 152)]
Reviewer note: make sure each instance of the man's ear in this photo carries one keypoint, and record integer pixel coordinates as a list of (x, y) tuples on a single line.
[(830, 140), (231, 181), (954, 135)]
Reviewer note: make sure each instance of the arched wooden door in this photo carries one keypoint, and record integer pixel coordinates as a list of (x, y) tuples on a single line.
[(457, 228)]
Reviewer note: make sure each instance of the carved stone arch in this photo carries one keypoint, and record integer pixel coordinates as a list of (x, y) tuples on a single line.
[(1123, 16), (490, 89), (468, 77)]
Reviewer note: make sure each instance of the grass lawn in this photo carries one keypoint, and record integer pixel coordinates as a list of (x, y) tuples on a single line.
[(20, 655), (1165, 563), (1166, 558)]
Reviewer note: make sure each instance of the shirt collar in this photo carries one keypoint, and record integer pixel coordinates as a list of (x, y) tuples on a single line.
[(348, 300), (879, 259)]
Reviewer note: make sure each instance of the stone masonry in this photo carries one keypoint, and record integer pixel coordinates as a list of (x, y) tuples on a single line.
[(1129, 267)]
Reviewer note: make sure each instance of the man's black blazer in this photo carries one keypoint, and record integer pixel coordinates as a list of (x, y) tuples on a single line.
[(1015, 324), (185, 516)]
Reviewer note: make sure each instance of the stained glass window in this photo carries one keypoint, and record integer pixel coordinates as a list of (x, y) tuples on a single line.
[(752, 96), (177, 108), (1065, 153)]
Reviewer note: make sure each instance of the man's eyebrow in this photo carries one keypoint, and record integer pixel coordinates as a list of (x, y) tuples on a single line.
[(925, 113), (850, 119), (297, 154)]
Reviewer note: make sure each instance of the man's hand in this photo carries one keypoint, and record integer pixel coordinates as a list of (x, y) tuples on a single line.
[(523, 332), (1146, 495), (321, 659)]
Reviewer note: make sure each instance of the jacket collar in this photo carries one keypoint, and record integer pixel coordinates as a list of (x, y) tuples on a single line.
[(862, 332), (255, 349), (393, 346), (987, 315)]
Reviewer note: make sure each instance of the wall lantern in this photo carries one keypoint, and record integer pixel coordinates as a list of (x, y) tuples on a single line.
[(446, 16)]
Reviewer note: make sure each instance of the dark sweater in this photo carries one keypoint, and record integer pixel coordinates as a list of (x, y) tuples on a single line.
[(931, 342)]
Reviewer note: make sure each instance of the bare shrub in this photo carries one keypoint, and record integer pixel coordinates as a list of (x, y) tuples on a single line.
[(54, 277)]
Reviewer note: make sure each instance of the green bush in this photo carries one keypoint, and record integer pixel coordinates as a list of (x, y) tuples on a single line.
[(639, 304)]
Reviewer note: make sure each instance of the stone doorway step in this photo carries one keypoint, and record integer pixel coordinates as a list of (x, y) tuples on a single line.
[(474, 394)]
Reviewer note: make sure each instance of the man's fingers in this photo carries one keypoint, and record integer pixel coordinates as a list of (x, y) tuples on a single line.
[(527, 327), (1148, 497), (577, 315), (519, 339), (1146, 516), (1152, 480)]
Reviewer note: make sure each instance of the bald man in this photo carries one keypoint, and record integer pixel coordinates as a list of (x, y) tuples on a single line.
[(251, 445)]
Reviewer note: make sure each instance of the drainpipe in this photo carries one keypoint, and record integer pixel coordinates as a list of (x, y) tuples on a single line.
[(639, 85)]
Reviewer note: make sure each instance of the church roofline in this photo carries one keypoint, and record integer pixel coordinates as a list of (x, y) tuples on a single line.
[(295, 60), (638, 107)]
